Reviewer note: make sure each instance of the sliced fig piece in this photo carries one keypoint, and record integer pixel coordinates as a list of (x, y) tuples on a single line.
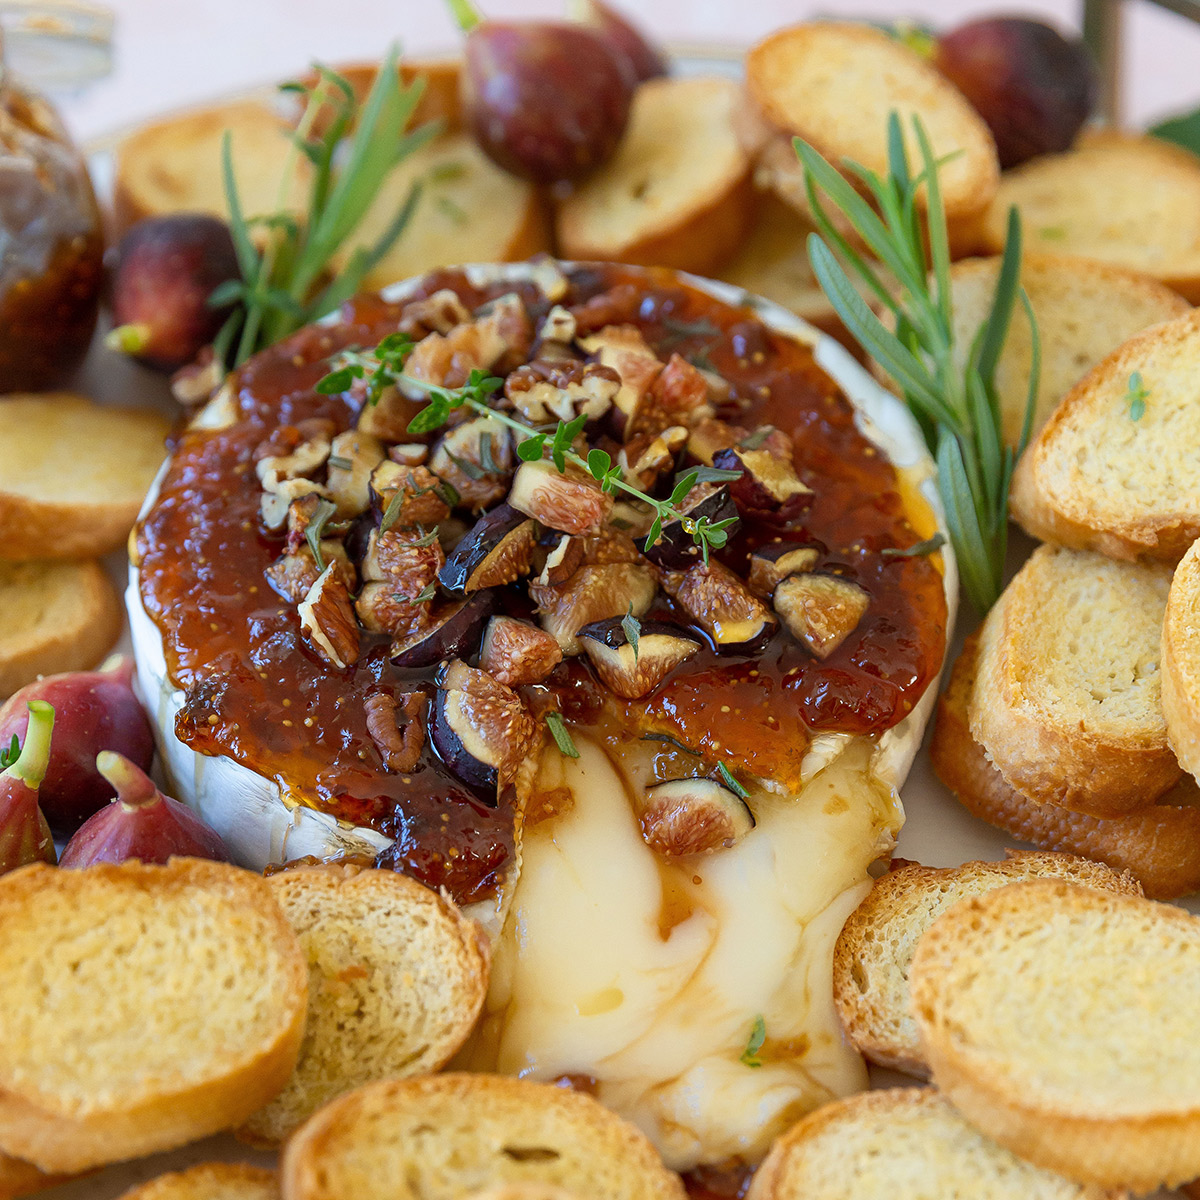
[(820, 611), (476, 458), (769, 481), (682, 390), (497, 551), (626, 351), (774, 562), (647, 457), (722, 605), (455, 631), (571, 502), (404, 495), (693, 816), (635, 668), (480, 726), (593, 593), (676, 549), (709, 436), (518, 653), (564, 555)]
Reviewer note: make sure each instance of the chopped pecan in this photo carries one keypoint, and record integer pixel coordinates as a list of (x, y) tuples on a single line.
[(616, 306), (421, 499), (353, 456), (476, 459), (396, 725), (562, 389), (327, 621), (516, 652), (722, 605)]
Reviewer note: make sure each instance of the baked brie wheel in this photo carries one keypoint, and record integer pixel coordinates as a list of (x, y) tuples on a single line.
[(659, 776)]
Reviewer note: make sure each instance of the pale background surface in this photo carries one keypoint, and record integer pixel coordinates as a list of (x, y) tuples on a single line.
[(170, 53)]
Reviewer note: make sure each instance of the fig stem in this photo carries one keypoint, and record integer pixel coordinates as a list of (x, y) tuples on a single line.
[(465, 14), (30, 766), (135, 789), (128, 339)]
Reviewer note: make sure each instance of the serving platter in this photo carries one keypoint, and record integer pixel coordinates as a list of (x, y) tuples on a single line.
[(937, 832)]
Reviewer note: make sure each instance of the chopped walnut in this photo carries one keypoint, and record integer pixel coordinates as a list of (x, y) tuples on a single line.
[(550, 389), (558, 326), (293, 451), (409, 454), (438, 313), (327, 621), (396, 725), (447, 360), (275, 506)]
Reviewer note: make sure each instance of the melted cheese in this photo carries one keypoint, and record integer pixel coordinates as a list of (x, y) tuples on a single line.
[(649, 975)]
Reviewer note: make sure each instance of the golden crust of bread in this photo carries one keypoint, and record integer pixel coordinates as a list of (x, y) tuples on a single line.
[(1100, 477), (900, 1144), (210, 1181), (440, 1136), (204, 991), (396, 979), (1045, 1011), (1181, 662), (677, 193), (875, 947), (58, 616), (74, 474), (834, 83), (1066, 701), (1159, 846)]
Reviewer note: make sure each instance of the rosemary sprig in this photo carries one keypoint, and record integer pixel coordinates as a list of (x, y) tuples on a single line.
[(283, 282), (384, 367), (957, 408)]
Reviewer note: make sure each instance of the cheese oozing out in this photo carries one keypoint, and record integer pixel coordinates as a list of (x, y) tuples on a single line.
[(650, 974)]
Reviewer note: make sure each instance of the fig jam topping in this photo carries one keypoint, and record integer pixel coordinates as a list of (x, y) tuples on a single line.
[(263, 689)]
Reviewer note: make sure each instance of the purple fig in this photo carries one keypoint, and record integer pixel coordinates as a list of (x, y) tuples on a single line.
[(95, 710), (140, 823), (24, 834), (647, 60)]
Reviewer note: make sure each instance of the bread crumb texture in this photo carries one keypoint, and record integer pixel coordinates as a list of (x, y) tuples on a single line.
[(210, 1181)]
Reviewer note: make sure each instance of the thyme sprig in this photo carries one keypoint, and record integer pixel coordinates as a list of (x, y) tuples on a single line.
[(383, 367), (283, 284), (956, 407)]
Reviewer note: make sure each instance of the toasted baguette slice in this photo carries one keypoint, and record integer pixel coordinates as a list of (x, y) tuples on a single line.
[(1060, 1020), (469, 211), (875, 947), (900, 1144), (834, 85), (1159, 846), (1117, 472), (524, 1191), (443, 1136), (1067, 700), (174, 165), (1181, 662), (396, 979), (210, 1181), (677, 193), (19, 1179), (58, 616), (1084, 311), (144, 1007), (74, 474), (1125, 199)]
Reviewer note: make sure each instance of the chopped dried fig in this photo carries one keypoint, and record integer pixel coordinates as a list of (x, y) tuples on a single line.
[(480, 727), (709, 436), (646, 457), (721, 604), (421, 495), (681, 390), (451, 631), (675, 548), (772, 563), (327, 621), (497, 551), (518, 653), (625, 350), (477, 459), (353, 455), (564, 555), (571, 502), (693, 816), (820, 611), (768, 484), (396, 725), (593, 594), (635, 668)]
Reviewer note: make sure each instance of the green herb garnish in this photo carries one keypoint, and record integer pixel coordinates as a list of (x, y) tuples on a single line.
[(758, 1035), (633, 631), (282, 286), (928, 546), (732, 784), (1136, 394), (1183, 130), (670, 741), (558, 731), (336, 460), (957, 408), (449, 208), (426, 594), (316, 527), (384, 367)]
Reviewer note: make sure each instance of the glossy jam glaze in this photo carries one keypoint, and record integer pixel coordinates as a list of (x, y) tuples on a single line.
[(256, 694)]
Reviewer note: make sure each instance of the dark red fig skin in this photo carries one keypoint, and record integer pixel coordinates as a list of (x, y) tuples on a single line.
[(140, 823), (94, 711), (164, 270), (646, 59), (24, 834), (546, 100), (1033, 87)]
